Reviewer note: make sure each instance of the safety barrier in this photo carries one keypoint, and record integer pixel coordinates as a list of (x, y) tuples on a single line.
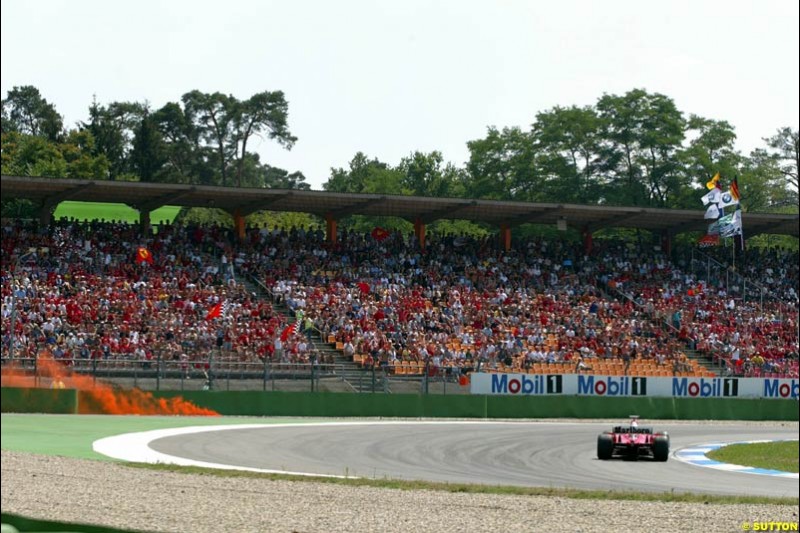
[(57, 401), (486, 406), (256, 403)]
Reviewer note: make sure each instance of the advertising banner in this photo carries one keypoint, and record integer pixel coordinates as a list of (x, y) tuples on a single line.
[(653, 387)]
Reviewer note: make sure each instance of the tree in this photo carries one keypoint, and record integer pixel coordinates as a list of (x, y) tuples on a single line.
[(148, 155), (263, 112), (502, 166), (711, 150), (423, 175), (786, 153), (763, 184), (25, 111), (213, 116), (642, 133), (568, 142), (113, 128), (185, 162), (365, 176), (278, 178)]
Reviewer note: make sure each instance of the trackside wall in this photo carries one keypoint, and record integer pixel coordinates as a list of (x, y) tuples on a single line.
[(58, 401), (256, 403), (487, 406)]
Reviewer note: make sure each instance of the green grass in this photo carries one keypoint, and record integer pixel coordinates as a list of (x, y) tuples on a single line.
[(575, 494), (72, 435), (108, 212), (781, 456)]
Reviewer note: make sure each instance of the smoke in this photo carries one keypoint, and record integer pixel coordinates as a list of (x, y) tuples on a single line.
[(98, 397)]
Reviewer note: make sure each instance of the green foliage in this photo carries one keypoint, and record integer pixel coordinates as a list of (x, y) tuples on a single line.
[(275, 219), (203, 216), (785, 145), (148, 155), (459, 227), (568, 140), (366, 176), (26, 112), (503, 167)]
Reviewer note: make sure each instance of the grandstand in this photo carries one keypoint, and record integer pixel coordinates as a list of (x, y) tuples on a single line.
[(406, 307)]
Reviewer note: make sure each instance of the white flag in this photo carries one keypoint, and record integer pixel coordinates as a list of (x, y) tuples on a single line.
[(726, 199), (712, 212), (712, 197), (732, 226)]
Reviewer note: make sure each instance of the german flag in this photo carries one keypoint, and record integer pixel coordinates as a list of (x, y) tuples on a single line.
[(735, 189)]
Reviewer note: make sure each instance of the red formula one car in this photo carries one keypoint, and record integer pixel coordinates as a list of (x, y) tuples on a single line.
[(633, 442)]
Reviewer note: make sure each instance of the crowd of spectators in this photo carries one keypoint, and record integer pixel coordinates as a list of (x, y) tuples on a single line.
[(460, 304)]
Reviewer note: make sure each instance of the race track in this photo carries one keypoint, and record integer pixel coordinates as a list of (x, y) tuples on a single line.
[(539, 454)]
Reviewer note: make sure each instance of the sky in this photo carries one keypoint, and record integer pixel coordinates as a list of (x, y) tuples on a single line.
[(392, 77)]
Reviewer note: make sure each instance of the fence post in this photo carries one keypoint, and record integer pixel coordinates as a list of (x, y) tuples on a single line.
[(158, 370), (425, 378)]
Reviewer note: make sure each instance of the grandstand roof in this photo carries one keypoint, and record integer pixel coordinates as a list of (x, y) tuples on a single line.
[(149, 196)]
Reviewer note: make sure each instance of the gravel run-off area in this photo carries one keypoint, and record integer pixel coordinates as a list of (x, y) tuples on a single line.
[(111, 494)]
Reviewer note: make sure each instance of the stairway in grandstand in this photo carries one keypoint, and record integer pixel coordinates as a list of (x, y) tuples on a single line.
[(704, 361), (693, 355), (358, 379)]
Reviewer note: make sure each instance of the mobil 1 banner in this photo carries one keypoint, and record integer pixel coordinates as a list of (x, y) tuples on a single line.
[(686, 387), (517, 384), (770, 388), (539, 385), (592, 385)]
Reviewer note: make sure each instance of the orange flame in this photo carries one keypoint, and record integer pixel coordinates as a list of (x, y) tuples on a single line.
[(98, 397)]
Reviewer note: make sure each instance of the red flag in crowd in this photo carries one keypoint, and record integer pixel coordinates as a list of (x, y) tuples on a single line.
[(364, 287), (287, 331), (380, 234), (221, 309), (143, 255)]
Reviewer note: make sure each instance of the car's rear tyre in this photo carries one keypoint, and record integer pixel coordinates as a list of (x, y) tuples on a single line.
[(605, 447), (661, 448)]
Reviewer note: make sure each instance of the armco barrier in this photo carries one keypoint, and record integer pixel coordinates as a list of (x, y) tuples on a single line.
[(256, 403), (17, 400)]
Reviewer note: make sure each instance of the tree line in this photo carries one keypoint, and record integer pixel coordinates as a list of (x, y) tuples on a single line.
[(635, 149)]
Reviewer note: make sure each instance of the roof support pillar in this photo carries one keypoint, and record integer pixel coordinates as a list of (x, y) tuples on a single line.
[(238, 224), (46, 213), (330, 228), (419, 231), (588, 242), (505, 236), (144, 222), (666, 242)]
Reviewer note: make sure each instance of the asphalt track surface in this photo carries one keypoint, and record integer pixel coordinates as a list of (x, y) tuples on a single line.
[(540, 454)]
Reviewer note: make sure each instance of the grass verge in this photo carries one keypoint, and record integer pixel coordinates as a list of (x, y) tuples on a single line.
[(576, 494), (781, 455)]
